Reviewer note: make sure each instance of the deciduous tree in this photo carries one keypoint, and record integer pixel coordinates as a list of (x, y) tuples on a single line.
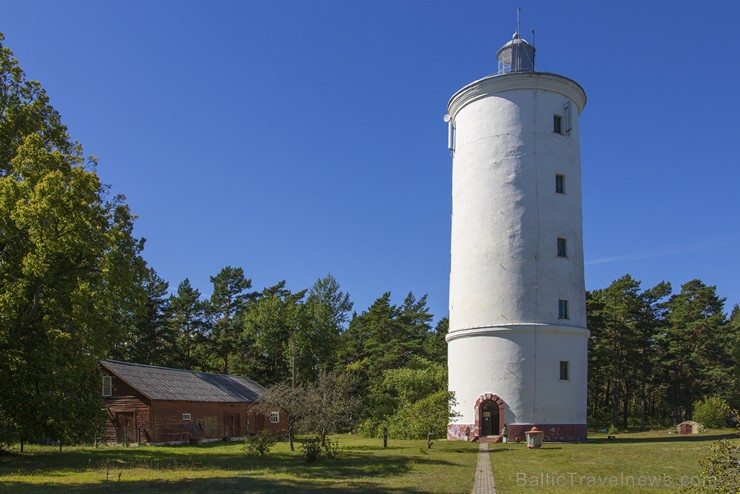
[(70, 268)]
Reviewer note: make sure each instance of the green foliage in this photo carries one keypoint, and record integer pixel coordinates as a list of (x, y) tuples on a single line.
[(697, 358), (410, 401), (273, 328), (70, 269), (224, 310), (187, 323), (311, 448), (435, 345), (397, 388), (652, 355), (720, 470), (327, 309), (314, 447), (150, 339), (329, 404), (415, 420), (331, 448), (260, 444), (370, 427), (712, 412), (287, 399)]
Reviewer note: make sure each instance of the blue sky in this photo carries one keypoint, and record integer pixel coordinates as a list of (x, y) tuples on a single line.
[(297, 138)]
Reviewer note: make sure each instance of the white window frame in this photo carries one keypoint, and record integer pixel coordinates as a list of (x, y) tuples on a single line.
[(107, 386), (187, 416), (274, 417)]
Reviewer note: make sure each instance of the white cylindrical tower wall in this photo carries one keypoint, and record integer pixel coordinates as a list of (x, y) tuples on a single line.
[(517, 254)]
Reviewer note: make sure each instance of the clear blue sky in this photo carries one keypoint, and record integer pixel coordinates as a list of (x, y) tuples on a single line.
[(300, 138)]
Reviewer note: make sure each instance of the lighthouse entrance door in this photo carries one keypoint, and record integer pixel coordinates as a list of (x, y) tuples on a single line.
[(489, 417)]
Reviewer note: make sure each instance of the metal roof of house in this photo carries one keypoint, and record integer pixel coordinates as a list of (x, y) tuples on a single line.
[(162, 383)]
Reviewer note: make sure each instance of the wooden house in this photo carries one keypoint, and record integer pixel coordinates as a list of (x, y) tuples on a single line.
[(158, 405)]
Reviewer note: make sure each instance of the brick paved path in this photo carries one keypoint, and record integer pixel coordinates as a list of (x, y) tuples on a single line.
[(483, 476)]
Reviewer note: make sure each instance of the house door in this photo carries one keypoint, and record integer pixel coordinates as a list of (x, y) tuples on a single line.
[(125, 427), (232, 427), (489, 419)]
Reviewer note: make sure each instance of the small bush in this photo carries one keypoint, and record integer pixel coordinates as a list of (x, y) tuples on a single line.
[(260, 444), (331, 448), (720, 470), (370, 428), (712, 412), (311, 447)]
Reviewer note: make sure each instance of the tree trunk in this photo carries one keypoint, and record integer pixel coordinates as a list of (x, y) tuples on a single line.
[(626, 407), (293, 358), (643, 408), (615, 406)]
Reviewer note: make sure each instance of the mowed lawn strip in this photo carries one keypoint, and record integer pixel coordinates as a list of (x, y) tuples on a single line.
[(636, 462), (362, 465)]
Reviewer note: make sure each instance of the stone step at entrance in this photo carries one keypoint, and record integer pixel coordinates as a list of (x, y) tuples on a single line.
[(490, 439)]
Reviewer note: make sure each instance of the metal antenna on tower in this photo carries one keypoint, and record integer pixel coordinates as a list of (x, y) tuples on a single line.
[(518, 21)]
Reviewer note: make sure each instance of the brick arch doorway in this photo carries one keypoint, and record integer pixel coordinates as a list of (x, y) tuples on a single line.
[(489, 416)]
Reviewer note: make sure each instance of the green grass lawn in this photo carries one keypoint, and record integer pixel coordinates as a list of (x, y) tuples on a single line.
[(636, 462), (363, 465)]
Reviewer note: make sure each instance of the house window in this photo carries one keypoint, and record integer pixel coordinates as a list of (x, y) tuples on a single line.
[(562, 309), (563, 370), (186, 416), (274, 417), (107, 386), (562, 248), (560, 183), (557, 124)]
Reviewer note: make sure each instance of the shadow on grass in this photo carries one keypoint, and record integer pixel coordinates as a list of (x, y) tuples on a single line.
[(212, 485), (625, 438), (250, 474)]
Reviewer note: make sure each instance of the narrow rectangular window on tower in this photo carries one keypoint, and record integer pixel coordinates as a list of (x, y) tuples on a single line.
[(562, 309), (563, 370), (557, 124), (560, 183), (562, 248)]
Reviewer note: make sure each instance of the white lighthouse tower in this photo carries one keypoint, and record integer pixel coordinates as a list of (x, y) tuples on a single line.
[(517, 339)]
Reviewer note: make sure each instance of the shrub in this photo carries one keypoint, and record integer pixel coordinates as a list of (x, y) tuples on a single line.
[(331, 448), (370, 428), (712, 412), (311, 447), (260, 444), (720, 470), (415, 420)]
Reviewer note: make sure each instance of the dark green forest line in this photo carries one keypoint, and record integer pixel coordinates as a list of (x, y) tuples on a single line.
[(75, 288)]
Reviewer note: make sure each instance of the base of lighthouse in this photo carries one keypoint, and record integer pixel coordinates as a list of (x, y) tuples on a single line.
[(519, 376)]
